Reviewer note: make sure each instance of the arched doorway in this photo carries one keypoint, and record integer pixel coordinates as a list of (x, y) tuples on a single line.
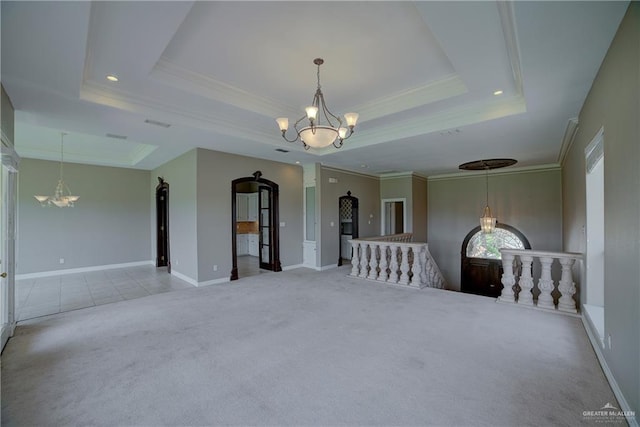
[(162, 224), (481, 271), (265, 217)]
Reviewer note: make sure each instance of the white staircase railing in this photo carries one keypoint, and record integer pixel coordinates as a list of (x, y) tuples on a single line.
[(544, 292), (393, 259)]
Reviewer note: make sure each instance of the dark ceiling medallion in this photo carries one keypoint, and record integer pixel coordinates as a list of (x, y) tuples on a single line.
[(487, 164)]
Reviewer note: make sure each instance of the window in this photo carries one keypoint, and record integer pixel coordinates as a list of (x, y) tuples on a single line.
[(483, 245)]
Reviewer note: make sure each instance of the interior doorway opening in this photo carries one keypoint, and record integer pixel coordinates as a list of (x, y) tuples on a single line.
[(394, 216), (255, 226)]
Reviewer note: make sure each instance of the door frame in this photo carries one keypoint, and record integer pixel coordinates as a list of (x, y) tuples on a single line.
[(10, 161), (162, 187), (274, 226), (383, 213)]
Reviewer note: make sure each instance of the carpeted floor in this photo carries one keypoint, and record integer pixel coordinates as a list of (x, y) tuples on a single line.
[(302, 348)]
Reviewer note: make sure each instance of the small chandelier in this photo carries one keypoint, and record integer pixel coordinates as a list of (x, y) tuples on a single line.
[(319, 132), (62, 197), (487, 222)]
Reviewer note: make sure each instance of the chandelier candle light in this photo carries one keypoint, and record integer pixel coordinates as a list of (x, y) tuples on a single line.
[(320, 132), (62, 197)]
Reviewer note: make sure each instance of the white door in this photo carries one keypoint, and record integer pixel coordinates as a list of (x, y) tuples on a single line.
[(7, 242)]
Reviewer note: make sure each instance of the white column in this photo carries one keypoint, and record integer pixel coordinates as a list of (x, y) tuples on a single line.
[(508, 279), (355, 258), (567, 287), (525, 296), (393, 267), (373, 261), (404, 266), (384, 262), (545, 284)]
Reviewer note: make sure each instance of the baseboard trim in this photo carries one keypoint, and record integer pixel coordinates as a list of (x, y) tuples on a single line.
[(624, 405), (195, 283), (214, 282), (327, 267), (81, 270), (293, 267)]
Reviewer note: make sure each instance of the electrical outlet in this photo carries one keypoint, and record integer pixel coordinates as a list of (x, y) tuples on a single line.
[(609, 341), (61, 260), (215, 268)]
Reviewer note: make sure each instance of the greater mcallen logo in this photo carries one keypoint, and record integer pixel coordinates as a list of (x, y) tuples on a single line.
[(608, 413)]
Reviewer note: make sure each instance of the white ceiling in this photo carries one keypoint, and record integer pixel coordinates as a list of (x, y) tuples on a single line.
[(421, 75)]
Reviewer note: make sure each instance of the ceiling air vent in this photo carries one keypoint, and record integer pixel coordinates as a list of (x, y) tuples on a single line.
[(114, 136), (282, 150), (157, 123)]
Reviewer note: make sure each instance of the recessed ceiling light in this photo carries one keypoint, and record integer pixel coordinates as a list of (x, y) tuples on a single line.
[(498, 92), (112, 77), (297, 162), (364, 166)]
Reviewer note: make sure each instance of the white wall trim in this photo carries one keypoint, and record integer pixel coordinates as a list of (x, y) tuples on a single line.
[(624, 405), (568, 139), (213, 282), (325, 267), (347, 171), (181, 276), (82, 270), (293, 267)]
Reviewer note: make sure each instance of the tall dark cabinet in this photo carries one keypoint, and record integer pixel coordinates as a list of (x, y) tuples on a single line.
[(348, 214)]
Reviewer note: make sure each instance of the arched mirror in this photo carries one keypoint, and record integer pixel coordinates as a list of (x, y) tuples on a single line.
[(348, 211), (481, 271)]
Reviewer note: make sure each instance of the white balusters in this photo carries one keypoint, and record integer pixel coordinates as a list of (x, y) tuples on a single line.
[(393, 266), (373, 261), (364, 262), (392, 259), (384, 273), (508, 279), (526, 281), (545, 284), (567, 287), (404, 265), (355, 257)]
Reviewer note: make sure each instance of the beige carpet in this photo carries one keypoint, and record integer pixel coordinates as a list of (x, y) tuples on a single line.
[(302, 348)]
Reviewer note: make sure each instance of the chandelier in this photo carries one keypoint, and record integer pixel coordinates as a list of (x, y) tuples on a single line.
[(487, 222), (62, 197), (320, 131)]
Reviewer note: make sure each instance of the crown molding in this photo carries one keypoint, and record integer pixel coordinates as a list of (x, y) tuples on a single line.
[(508, 23), (495, 172), (100, 94), (395, 175), (140, 153), (347, 171), (181, 78), (418, 96), (448, 119), (568, 139)]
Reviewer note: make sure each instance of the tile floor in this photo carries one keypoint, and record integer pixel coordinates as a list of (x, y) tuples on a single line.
[(249, 266), (57, 294)]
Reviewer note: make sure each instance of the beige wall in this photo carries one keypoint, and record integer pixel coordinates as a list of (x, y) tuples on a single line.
[(613, 103), (109, 224), (365, 188), (180, 174), (529, 201), (216, 170), (420, 212)]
